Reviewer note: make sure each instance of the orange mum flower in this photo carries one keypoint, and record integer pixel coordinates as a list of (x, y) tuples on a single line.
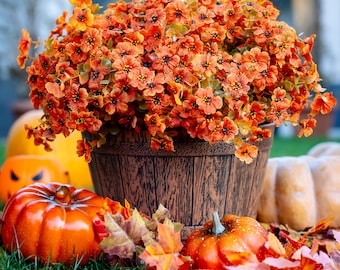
[(323, 103), (247, 153), (91, 39), (307, 126), (154, 124), (207, 101), (81, 18), (177, 12), (84, 149), (24, 46), (226, 131), (116, 101), (84, 120), (124, 66), (165, 143)]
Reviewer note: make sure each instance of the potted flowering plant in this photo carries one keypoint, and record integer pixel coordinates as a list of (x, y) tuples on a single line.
[(214, 70)]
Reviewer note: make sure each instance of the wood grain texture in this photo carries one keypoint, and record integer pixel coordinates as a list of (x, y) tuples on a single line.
[(192, 182)]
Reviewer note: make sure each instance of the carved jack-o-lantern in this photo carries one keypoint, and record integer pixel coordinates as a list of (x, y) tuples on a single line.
[(22, 170)]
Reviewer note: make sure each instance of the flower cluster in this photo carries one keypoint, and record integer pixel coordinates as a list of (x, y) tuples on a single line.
[(215, 70)]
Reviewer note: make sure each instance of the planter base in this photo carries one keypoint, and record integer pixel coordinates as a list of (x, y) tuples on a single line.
[(192, 182)]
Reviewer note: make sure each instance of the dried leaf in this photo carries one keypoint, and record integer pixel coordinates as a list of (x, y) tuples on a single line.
[(281, 263), (164, 254), (319, 227), (308, 260), (176, 226), (135, 226), (274, 244), (124, 234), (118, 242), (161, 213), (159, 216), (336, 235), (239, 258)]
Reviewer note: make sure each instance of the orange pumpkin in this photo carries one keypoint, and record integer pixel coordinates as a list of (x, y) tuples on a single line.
[(63, 149), (219, 242), (52, 222), (20, 171)]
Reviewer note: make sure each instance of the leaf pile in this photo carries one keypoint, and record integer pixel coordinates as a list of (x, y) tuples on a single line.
[(316, 248), (136, 239), (131, 238)]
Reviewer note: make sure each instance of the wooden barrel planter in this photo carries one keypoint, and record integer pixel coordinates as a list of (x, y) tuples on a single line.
[(192, 182)]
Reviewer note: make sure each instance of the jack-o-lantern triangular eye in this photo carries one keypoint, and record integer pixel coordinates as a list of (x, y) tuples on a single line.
[(14, 177), (38, 177)]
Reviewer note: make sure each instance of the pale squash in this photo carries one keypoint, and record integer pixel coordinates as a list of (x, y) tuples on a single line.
[(64, 149), (325, 149), (299, 191)]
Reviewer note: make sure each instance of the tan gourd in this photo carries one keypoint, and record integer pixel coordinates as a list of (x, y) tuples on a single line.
[(298, 191), (325, 149)]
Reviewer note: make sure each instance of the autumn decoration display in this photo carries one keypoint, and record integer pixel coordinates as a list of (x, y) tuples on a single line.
[(213, 70), (57, 223)]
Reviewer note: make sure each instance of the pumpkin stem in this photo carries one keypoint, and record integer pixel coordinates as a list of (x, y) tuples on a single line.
[(63, 195), (217, 228)]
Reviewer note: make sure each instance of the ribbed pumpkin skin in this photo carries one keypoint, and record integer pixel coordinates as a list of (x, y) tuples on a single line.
[(53, 222)]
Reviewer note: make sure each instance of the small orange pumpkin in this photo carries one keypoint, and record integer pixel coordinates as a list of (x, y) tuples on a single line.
[(53, 222), (215, 245), (22, 170)]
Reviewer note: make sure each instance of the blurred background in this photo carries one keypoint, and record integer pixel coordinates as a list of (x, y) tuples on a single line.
[(38, 17)]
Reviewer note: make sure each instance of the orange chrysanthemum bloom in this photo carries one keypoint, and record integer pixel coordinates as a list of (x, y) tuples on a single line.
[(247, 153), (164, 143), (81, 18), (155, 124), (323, 103), (307, 126), (24, 46), (207, 101)]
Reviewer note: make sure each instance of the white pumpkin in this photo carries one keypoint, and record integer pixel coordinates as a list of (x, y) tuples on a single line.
[(325, 149), (299, 191)]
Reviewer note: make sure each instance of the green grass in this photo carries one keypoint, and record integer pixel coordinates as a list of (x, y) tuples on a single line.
[(15, 261), (295, 146)]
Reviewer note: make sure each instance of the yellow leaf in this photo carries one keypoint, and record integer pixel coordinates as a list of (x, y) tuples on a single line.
[(164, 254), (275, 244)]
